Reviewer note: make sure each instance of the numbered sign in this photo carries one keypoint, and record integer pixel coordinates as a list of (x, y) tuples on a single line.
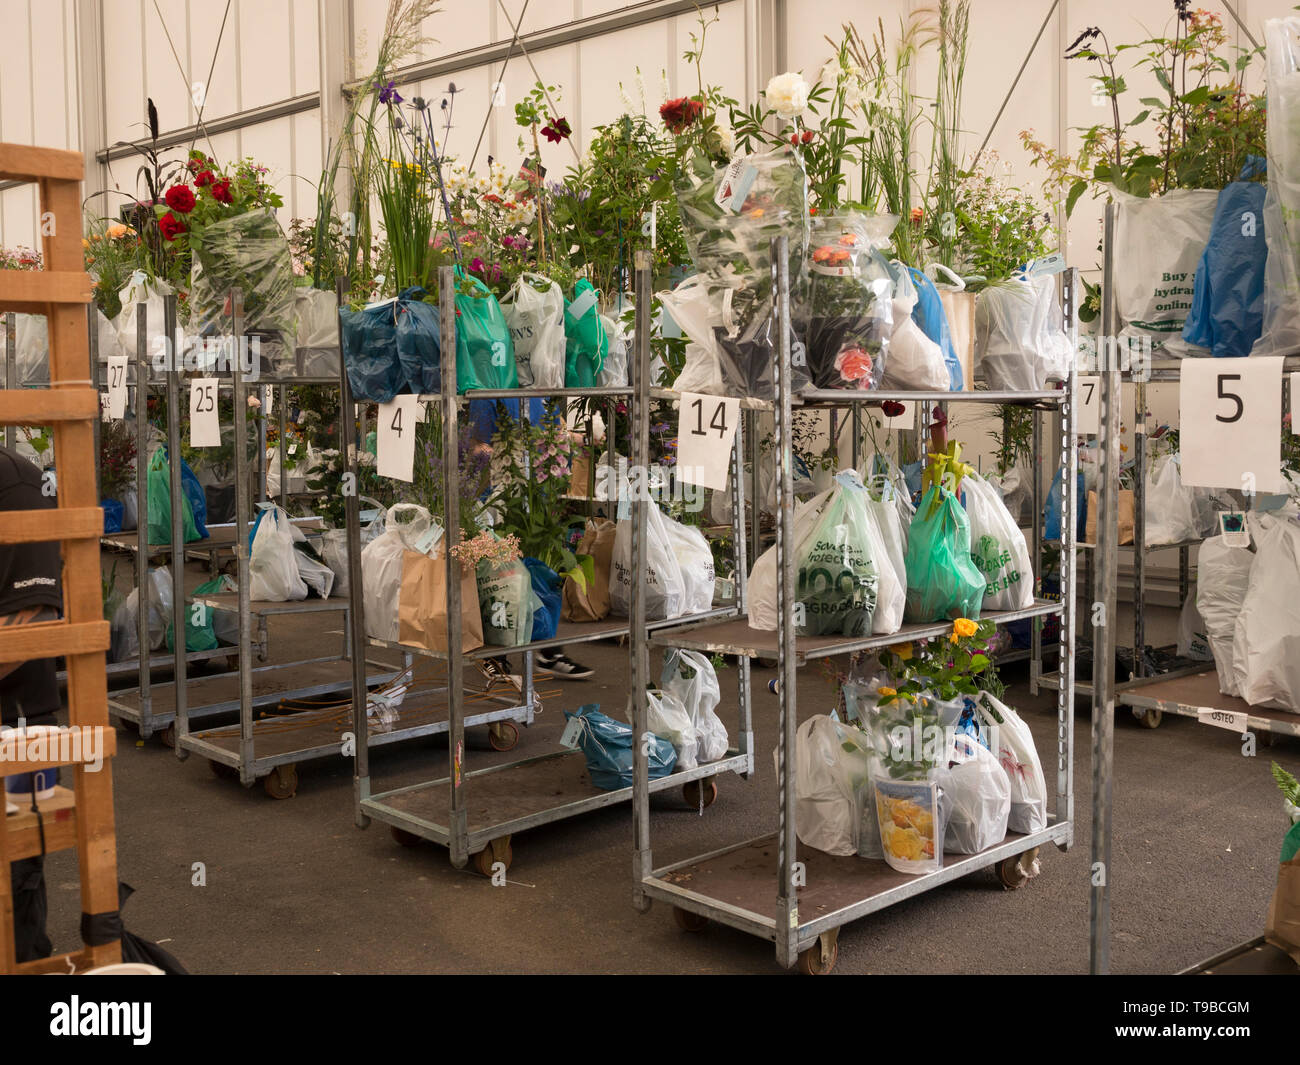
[(905, 420), (1229, 421), (396, 439), (116, 368), (1232, 720), (1087, 416), (205, 430), (704, 434)]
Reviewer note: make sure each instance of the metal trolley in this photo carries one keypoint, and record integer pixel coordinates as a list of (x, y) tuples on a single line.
[(475, 813), (815, 894)]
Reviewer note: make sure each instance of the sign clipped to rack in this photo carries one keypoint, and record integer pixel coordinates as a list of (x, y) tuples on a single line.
[(1233, 720), (1230, 417), (396, 440), (705, 430), (116, 367), (205, 430), (1087, 420)]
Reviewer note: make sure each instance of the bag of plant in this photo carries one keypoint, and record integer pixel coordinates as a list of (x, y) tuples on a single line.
[(248, 252), (547, 586), (942, 581), (140, 289), (507, 603), (691, 678), (124, 630), (831, 765), (695, 560), (1266, 639), (316, 340), (726, 355), (591, 603), (761, 586), (1222, 578), (419, 342), (843, 306), (916, 362), (370, 352), (485, 354), (1281, 326), (932, 319), (998, 548), (667, 718), (113, 513), (534, 311), (837, 577), (158, 490), (404, 526), (586, 342), (273, 562), (1006, 340), (614, 373), (979, 797), (225, 623), (1170, 508), (1013, 745), (607, 746), (664, 587)]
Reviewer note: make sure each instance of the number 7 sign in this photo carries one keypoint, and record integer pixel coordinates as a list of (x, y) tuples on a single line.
[(1230, 424)]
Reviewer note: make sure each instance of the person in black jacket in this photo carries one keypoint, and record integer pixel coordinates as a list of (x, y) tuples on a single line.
[(30, 591)]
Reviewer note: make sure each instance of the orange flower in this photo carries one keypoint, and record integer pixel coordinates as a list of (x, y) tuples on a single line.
[(917, 215)]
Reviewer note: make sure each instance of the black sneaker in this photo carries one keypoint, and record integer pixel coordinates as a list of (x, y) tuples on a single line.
[(558, 664), (496, 668)]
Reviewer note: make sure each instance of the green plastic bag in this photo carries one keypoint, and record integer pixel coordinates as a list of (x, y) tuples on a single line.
[(942, 582), (159, 487), (585, 341), (837, 580), (485, 352), (199, 634)]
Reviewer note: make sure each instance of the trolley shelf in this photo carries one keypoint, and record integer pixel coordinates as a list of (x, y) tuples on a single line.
[(734, 636), (735, 887), (230, 601), (835, 397), (1188, 696), (219, 537), (512, 798)]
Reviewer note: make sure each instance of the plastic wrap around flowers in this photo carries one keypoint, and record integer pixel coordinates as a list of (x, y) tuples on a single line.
[(844, 303)]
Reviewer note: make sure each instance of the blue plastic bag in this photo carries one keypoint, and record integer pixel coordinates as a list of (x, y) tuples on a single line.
[(1056, 503), (547, 586), (932, 319), (1227, 314), (198, 499), (607, 745), (114, 512), (419, 343), (369, 339)]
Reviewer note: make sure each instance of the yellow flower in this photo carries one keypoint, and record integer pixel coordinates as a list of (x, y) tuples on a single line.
[(886, 692), (903, 650), (964, 627)]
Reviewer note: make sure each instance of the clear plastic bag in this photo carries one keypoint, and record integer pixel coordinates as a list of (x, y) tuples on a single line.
[(690, 677), (979, 796), (837, 579), (534, 311), (998, 548), (317, 337), (248, 252), (404, 526), (669, 720), (915, 362)]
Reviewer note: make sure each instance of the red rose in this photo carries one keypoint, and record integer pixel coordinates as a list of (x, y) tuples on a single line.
[(170, 226), (204, 177), (180, 198), (853, 364), (221, 191), (680, 113)]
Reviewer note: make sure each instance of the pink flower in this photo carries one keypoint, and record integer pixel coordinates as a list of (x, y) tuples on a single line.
[(476, 265)]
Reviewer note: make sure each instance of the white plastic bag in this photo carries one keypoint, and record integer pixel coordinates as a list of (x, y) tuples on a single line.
[(381, 567), (915, 362), (124, 633), (1158, 246), (613, 373), (762, 577), (891, 578), (1266, 642), (695, 560), (1013, 745), (534, 312), (665, 588), (32, 338), (831, 765), (998, 548), (668, 719), (692, 309), (316, 575), (1222, 578), (1013, 490), (1193, 642), (297, 472), (1171, 510), (334, 546), (141, 289), (273, 563), (700, 694), (979, 797), (1006, 336)]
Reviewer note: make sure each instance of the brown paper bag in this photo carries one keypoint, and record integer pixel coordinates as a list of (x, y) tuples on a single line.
[(1126, 516), (1282, 928), (959, 307), (593, 604), (422, 604)]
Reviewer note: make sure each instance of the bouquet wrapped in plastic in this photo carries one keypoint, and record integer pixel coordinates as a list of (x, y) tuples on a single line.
[(248, 252)]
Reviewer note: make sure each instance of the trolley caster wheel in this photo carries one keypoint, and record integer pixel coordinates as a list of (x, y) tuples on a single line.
[(689, 921), (1148, 717), (1015, 872), (497, 851), (405, 838), (281, 782), (168, 736), (691, 792), (503, 735), (811, 962), (223, 772)]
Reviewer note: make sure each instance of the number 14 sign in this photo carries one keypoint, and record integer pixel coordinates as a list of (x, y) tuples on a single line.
[(704, 435), (1230, 424)]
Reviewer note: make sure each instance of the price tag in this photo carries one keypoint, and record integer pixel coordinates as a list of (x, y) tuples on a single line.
[(734, 188), (585, 302), (293, 449), (1048, 264), (205, 431), (116, 387), (1228, 409), (1233, 528), (396, 442), (572, 733), (906, 420), (704, 434), (103, 407), (1087, 416), (1233, 720)]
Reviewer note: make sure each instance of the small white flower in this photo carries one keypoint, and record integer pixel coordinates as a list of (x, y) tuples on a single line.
[(469, 216), (787, 94)]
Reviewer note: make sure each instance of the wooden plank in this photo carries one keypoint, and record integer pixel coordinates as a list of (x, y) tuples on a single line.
[(48, 406), (105, 748), (59, 816), (49, 639), (24, 162), (42, 287), (43, 526)]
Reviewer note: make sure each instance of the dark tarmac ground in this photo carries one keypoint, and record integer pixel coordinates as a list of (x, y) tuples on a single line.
[(294, 886)]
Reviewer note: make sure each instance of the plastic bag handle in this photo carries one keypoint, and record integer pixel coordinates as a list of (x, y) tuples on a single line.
[(954, 282)]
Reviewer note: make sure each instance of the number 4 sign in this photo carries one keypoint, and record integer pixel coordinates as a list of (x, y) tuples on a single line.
[(1230, 424), (704, 435), (396, 440)]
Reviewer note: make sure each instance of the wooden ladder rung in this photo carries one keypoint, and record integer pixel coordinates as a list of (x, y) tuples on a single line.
[(33, 291), (49, 639), (45, 406), (23, 162), (46, 526), (104, 743)]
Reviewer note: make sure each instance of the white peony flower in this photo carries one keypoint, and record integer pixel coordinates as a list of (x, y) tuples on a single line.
[(727, 138), (787, 94)]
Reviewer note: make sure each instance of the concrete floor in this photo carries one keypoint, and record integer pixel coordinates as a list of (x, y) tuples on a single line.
[(294, 886)]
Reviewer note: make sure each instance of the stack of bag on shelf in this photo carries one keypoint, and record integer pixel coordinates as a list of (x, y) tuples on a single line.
[(679, 576), (283, 566), (682, 709), (205, 628)]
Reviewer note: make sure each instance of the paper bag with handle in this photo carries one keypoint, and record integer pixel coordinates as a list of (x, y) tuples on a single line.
[(592, 604), (422, 604), (1283, 926), (1126, 517)]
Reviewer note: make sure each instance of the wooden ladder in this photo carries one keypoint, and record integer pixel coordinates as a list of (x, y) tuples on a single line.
[(83, 817)]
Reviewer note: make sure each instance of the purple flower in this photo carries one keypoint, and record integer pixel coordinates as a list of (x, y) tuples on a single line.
[(388, 94), (476, 265)]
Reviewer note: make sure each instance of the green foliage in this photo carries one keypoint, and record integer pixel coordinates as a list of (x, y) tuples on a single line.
[(945, 667), (1288, 784)]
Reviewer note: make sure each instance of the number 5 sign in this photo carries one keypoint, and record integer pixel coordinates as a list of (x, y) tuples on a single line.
[(704, 435), (1230, 414)]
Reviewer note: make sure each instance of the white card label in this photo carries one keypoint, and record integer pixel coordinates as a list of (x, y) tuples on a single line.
[(705, 431), (1232, 720), (585, 302), (205, 431), (1087, 416), (734, 188), (906, 420), (1048, 264), (116, 368), (572, 733), (1229, 413), (396, 441), (1295, 402)]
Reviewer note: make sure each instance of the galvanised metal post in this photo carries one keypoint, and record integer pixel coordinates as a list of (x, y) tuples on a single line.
[(242, 553), (177, 488), (642, 860), (142, 515)]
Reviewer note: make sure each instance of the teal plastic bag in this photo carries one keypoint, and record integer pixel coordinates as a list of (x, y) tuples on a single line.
[(585, 341), (942, 581), (200, 635), (159, 488), (485, 352), (837, 580)]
